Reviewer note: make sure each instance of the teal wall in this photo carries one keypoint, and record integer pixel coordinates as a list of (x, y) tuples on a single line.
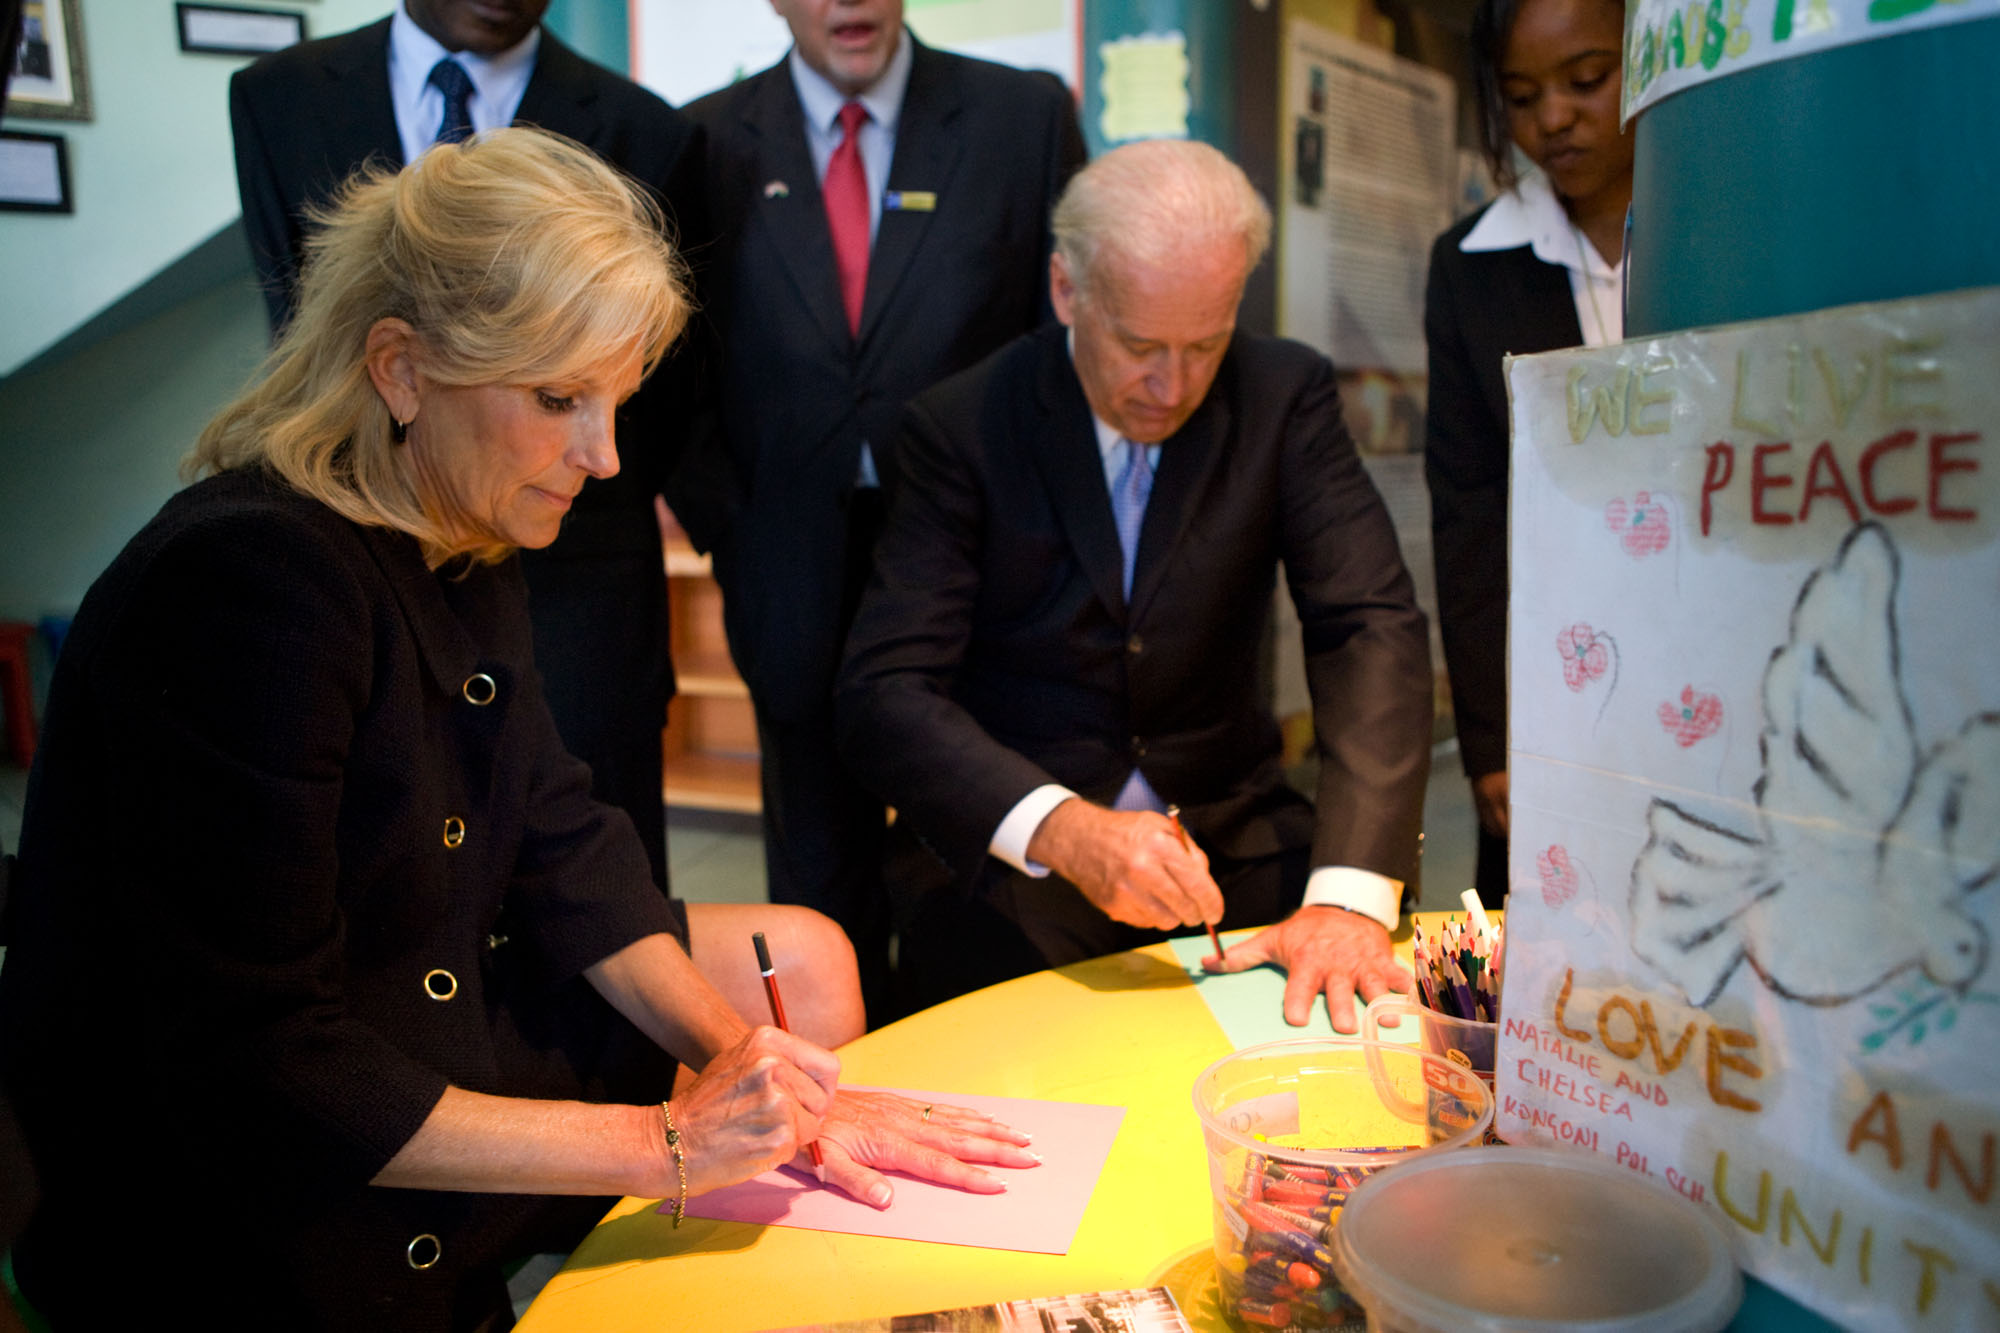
[(105, 382), (151, 173), (93, 442), (600, 29)]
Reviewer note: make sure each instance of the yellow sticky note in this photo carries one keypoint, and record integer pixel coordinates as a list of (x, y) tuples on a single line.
[(1145, 84)]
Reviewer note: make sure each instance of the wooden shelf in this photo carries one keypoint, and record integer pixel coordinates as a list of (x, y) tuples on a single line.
[(684, 562), (713, 782), (710, 742), (708, 676)]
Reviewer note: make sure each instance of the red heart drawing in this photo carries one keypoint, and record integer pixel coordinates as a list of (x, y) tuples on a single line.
[(1558, 875), (1641, 525), (1584, 655), (1695, 716)]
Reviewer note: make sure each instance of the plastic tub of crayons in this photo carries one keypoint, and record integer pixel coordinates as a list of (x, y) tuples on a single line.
[(1291, 1127), (1533, 1240)]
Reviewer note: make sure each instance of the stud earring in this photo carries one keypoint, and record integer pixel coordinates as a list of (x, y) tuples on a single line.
[(399, 431)]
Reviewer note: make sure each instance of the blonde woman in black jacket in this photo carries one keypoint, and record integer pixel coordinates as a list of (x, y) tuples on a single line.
[(323, 957)]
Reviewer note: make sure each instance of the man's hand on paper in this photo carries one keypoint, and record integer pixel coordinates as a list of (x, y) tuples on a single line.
[(1324, 951), (869, 1130), (1133, 864)]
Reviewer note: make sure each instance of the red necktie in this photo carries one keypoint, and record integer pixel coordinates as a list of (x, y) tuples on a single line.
[(846, 193)]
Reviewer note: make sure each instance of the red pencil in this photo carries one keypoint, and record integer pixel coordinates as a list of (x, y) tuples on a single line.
[(1174, 813), (770, 975)]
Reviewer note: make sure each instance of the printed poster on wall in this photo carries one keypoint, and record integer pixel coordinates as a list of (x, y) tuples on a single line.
[(1675, 44), (1370, 170), (1754, 717)]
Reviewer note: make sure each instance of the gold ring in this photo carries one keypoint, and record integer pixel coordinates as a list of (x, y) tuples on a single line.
[(927, 1111)]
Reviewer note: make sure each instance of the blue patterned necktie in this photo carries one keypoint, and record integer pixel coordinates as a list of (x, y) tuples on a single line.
[(1128, 510), (1128, 504), (450, 78)]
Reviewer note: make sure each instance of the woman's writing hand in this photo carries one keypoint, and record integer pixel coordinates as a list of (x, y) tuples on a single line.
[(866, 1133), (753, 1107)]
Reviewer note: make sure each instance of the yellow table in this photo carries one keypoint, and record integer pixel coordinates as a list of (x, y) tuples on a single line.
[(1128, 1030)]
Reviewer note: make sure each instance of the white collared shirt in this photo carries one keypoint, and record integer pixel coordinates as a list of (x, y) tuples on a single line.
[(1350, 887), (498, 82), (820, 102), (1531, 215)]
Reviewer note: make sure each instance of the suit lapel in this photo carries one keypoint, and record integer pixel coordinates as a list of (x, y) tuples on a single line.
[(448, 651), (926, 151), (359, 104), (1065, 449), (1187, 459), (559, 97), (787, 200)]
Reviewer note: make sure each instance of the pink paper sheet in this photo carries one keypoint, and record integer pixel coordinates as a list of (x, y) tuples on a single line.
[(1039, 1212)]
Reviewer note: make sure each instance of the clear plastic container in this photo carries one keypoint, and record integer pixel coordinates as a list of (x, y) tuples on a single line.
[(1533, 1240), (1291, 1128)]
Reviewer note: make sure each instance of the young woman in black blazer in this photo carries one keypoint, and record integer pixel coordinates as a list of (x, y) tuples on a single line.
[(1537, 269)]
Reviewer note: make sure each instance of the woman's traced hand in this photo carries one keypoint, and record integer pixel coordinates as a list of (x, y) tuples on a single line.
[(869, 1130)]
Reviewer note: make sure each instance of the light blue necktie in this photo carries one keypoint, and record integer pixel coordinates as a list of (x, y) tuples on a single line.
[(1128, 504), (1129, 494), (450, 78)]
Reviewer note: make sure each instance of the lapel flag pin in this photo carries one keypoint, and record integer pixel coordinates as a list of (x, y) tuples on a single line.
[(910, 201), (776, 190)]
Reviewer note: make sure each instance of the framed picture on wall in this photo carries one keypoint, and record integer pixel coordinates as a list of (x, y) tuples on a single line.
[(47, 80), (34, 173), (232, 30)]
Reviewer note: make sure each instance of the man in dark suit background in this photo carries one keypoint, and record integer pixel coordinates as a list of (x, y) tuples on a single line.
[(307, 117), (1063, 632), (882, 214)]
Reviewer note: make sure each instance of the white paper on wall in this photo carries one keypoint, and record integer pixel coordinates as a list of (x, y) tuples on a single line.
[(1754, 712)]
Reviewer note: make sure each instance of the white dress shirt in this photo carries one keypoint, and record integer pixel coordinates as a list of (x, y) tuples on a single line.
[(1531, 215), (1350, 887), (498, 82)]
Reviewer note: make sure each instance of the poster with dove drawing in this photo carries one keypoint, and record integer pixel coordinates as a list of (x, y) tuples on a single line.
[(1754, 755)]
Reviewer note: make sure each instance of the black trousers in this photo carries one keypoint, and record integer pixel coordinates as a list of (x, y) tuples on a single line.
[(1014, 924), (824, 831)]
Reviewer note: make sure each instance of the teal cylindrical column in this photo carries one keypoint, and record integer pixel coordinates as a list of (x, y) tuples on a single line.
[(1859, 173), (1211, 62)]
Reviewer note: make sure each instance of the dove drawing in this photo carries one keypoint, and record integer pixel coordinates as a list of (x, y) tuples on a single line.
[(1865, 845)]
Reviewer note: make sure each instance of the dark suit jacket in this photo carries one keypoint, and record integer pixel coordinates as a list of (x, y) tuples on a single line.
[(234, 880), (1480, 308), (304, 119), (994, 651), (768, 489)]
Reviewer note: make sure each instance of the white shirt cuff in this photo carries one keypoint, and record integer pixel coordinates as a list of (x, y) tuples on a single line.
[(1372, 895), (1010, 840)]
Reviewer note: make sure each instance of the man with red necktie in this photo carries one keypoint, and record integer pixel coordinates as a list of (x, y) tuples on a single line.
[(882, 211)]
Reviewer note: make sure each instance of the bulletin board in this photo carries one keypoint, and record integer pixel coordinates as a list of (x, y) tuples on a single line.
[(1754, 749)]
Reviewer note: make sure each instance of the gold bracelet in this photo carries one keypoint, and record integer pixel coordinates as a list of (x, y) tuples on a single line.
[(680, 1160)]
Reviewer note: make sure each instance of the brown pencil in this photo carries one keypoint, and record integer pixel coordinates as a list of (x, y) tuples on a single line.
[(1174, 813), (770, 975)]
